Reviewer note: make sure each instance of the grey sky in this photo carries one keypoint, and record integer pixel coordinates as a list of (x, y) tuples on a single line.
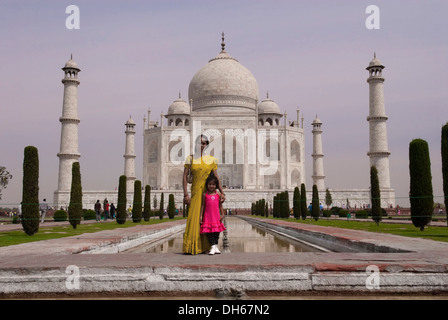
[(136, 55)]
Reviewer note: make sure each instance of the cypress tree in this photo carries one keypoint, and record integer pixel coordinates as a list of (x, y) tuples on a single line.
[(421, 192), (121, 205), (375, 195), (296, 203), (137, 203), (161, 207), (147, 205), (303, 201), (282, 205), (328, 198), (445, 165), (75, 206), (275, 207), (171, 206), (286, 208), (30, 191), (315, 212)]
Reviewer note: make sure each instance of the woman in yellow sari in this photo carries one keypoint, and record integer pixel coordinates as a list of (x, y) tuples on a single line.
[(201, 166)]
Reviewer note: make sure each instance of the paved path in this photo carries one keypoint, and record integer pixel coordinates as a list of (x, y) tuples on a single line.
[(46, 266), (47, 224)]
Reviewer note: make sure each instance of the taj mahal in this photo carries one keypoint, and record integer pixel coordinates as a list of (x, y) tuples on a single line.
[(260, 151)]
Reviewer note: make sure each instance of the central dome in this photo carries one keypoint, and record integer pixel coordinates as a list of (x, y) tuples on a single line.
[(224, 85)]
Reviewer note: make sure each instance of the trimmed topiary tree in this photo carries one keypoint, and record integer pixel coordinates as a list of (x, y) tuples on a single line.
[(187, 208), (296, 203), (30, 191), (147, 205), (328, 198), (445, 165), (75, 205), (375, 195), (121, 205), (303, 201), (281, 202), (60, 215), (315, 209), (171, 206), (89, 214), (286, 208), (275, 206), (137, 204), (421, 192), (161, 207)]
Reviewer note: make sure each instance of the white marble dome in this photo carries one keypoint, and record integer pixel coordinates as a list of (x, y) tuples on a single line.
[(71, 64), (268, 106), (375, 62), (224, 85), (316, 121), (130, 122), (179, 107)]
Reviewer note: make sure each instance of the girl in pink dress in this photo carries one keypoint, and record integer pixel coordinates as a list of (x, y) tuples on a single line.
[(212, 214)]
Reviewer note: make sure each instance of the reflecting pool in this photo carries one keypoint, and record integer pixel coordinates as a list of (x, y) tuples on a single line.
[(240, 236)]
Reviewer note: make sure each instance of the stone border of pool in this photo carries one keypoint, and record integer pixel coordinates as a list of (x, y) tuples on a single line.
[(54, 267)]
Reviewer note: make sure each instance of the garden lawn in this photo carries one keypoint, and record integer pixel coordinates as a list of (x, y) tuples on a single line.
[(405, 229), (46, 233)]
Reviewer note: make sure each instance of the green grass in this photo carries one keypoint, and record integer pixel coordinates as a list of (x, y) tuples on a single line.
[(407, 230), (47, 233)]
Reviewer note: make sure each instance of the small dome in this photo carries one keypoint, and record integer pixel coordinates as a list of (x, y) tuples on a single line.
[(130, 122), (71, 64), (317, 121), (179, 107), (375, 62), (268, 106)]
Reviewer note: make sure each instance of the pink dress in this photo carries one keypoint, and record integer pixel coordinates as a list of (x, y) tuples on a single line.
[(211, 221)]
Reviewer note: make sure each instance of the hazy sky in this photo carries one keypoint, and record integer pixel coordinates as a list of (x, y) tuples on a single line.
[(136, 55)]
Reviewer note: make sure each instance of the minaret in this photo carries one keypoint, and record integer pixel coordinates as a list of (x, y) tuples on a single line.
[(69, 132), (379, 150), (129, 156), (318, 156)]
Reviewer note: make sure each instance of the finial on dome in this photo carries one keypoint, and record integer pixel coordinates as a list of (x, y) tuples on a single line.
[(374, 55), (267, 94), (71, 56), (223, 44), (179, 95)]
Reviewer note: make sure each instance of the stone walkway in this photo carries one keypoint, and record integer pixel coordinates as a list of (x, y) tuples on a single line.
[(57, 267)]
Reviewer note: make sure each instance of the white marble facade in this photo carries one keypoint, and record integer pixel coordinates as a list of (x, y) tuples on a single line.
[(257, 148), (260, 151)]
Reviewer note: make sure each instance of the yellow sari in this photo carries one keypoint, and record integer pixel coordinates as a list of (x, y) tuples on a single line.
[(194, 242)]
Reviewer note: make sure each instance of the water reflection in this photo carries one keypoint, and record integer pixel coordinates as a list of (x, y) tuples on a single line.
[(241, 237)]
